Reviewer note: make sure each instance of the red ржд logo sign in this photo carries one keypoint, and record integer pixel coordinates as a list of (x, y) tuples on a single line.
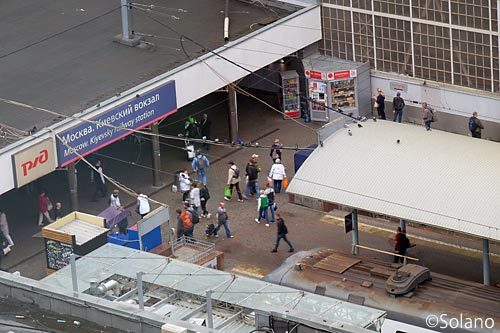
[(40, 159)]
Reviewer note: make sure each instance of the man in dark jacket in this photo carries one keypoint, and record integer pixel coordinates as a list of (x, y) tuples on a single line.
[(381, 103), (252, 174), (402, 243), (398, 104), (282, 232), (475, 126), (205, 125)]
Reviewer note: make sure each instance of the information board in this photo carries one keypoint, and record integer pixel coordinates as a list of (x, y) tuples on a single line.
[(58, 253)]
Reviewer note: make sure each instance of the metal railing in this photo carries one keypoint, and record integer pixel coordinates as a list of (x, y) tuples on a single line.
[(201, 248), (387, 252)]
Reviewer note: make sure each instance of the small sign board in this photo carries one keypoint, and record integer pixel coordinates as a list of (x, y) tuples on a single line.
[(58, 253), (348, 223)]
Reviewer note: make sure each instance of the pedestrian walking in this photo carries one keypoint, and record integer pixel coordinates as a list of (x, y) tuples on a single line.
[(398, 103), (4, 247), (58, 211), (143, 207), (252, 175), (44, 206), (204, 196), (277, 174), (262, 207), (276, 150), (184, 184), (428, 116), (4, 228), (200, 165), (191, 129), (205, 125), (233, 180), (282, 232), (222, 219), (401, 245), (114, 200), (101, 190), (380, 98), (475, 126), (269, 191), (194, 196)]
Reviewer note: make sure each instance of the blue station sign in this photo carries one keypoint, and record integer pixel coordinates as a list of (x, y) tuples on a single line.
[(116, 123)]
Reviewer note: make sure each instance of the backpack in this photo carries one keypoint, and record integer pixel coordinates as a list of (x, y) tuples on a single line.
[(195, 218), (200, 161), (236, 173), (399, 103), (472, 125), (186, 220), (405, 242)]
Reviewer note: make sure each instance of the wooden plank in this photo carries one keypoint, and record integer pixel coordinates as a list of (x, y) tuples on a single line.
[(336, 263), (57, 235), (91, 219)]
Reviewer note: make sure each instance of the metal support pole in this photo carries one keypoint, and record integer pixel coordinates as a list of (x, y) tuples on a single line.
[(402, 224), (73, 186), (125, 10), (140, 291), (72, 262), (355, 238), (210, 319), (226, 20), (233, 113), (486, 262), (155, 142)]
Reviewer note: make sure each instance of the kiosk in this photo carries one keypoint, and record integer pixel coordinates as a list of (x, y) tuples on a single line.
[(337, 84)]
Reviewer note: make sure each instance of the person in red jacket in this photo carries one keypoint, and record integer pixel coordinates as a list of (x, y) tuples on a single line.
[(43, 208)]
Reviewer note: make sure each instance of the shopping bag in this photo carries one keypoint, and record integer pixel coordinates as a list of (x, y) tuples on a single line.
[(285, 182), (227, 192)]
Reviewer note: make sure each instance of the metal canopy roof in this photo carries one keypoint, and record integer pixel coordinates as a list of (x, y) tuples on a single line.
[(437, 178), (250, 294)]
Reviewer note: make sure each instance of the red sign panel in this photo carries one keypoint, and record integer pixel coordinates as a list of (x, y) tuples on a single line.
[(314, 75), (342, 75)]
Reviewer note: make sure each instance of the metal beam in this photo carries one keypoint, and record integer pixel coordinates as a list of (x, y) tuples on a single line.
[(486, 262), (355, 235)]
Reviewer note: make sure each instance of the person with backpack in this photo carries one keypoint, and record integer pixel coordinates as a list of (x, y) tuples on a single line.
[(475, 126), (282, 232), (204, 197), (233, 180), (269, 191), (200, 165), (222, 218), (191, 127), (398, 104), (262, 206), (184, 222), (401, 245), (252, 175), (195, 217), (428, 116)]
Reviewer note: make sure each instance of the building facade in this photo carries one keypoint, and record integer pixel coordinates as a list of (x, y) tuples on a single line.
[(447, 41)]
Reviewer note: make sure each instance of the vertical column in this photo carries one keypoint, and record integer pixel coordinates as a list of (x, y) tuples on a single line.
[(352, 33), (140, 290), (125, 10), (74, 279), (374, 40), (412, 42), (486, 262), (210, 318), (492, 70), (355, 238), (451, 44), (402, 224), (155, 142), (233, 113), (73, 186)]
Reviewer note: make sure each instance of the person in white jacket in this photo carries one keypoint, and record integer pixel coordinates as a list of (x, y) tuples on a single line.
[(184, 184), (277, 174), (4, 227), (194, 195), (143, 205)]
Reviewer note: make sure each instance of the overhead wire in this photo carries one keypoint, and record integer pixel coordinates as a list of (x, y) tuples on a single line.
[(219, 55)]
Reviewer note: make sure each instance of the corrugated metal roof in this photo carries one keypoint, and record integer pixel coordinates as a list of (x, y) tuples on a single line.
[(437, 178)]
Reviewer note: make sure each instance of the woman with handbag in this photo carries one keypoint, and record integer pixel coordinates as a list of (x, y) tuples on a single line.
[(44, 206)]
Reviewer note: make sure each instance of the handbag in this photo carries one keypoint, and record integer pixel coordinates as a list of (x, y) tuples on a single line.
[(376, 105), (285, 182), (49, 205), (227, 192)]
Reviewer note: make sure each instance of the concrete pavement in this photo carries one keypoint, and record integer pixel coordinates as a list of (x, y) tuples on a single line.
[(249, 252)]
